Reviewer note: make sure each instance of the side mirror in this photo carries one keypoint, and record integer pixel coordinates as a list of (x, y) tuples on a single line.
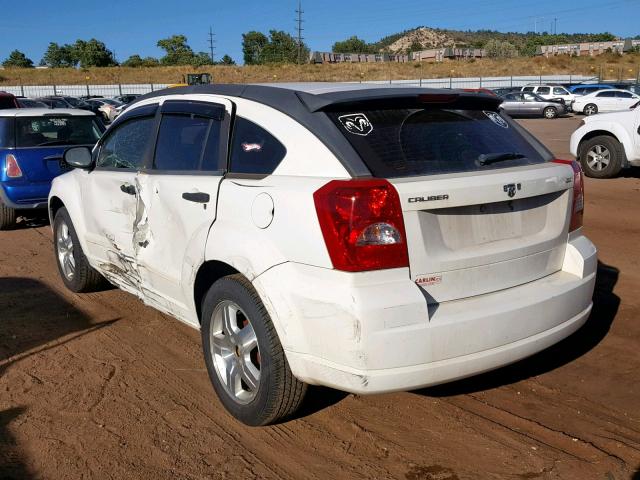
[(78, 157)]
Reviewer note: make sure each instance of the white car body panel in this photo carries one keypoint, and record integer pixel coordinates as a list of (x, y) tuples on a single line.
[(622, 125), (505, 288)]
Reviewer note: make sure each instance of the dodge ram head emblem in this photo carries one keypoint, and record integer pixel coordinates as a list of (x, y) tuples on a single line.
[(356, 123), (511, 188)]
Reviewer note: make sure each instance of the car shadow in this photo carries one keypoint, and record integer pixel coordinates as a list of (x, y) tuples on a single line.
[(33, 319), (631, 172), (605, 308), (316, 399), (31, 219), (636, 475)]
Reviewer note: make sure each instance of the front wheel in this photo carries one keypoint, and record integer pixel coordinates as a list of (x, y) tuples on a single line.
[(244, 357), (601, 157), (550, 112), (77, 275), (590, 109)]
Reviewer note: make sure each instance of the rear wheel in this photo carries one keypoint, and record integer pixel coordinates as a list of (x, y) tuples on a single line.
[(77, 275), (602, 157), (7, 217), (550, 112), (244, 357), (590, 109)]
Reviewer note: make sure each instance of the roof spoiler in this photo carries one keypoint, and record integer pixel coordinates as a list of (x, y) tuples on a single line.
[(387, 98)]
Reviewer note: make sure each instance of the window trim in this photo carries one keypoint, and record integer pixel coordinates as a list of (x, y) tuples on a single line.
[(223, 146)]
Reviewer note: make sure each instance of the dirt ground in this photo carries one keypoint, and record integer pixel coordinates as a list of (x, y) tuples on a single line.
[(100, 386)]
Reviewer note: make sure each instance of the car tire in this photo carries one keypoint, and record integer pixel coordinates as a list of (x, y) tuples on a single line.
[(7, 217), (550, 112), (602, 157), (77, 275), (590, 109), (247, 367)]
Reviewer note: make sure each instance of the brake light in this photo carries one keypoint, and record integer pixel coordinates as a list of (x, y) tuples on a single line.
[(577, 210), (11, 167), (362, 224)]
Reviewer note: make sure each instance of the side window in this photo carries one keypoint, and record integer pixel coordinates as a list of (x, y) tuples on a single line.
[(559, 91), (606, 94), (125, 146), (254, 149), (543, 90), (187, 143), (527, 89), (624, 95)]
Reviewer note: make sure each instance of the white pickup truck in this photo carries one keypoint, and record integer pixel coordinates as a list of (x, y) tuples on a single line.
[(606, 143)]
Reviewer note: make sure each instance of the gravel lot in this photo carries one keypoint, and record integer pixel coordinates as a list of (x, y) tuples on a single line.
[(100, 386)]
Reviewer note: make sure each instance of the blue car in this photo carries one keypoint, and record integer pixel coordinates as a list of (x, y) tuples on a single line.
[(32, 142), (585, 89)]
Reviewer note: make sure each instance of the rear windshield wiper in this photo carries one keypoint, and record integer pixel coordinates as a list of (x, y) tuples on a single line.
[(489, 158)]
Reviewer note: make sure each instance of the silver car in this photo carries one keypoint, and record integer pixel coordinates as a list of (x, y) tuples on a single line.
[(531, 104)]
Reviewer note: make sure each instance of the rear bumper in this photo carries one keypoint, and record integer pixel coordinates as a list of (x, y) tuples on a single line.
[(26, 196), (373, 332)]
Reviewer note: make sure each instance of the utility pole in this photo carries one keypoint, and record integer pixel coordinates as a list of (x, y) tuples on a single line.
[(299, 21), (211, 44), (555, 26)]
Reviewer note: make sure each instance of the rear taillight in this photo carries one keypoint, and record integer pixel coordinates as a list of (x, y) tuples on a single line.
[(362, 224), (577, 210), (11, 167)]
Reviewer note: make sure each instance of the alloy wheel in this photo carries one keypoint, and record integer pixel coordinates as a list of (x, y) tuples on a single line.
[(598, 157), (65, 247), (235, 352)]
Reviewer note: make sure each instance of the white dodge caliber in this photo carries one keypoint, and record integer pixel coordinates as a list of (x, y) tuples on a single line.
[(366, 239)]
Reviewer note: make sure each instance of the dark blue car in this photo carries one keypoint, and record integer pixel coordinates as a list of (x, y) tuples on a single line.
[(32, 141)]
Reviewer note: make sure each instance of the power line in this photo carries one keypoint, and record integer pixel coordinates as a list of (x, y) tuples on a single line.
[(299, 21), (211, 44)]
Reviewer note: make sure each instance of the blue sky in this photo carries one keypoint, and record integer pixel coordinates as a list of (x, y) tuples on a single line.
[(129, 27)]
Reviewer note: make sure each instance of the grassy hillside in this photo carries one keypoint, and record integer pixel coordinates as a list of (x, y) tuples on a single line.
[(612, 66)]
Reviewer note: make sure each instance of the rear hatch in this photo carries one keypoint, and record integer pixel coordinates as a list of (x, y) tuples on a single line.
[(40, 142), (484, 208)]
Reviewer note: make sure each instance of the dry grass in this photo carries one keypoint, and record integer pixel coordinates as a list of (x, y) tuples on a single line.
[(611, 66)]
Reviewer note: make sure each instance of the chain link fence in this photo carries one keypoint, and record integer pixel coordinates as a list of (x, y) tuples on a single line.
[(35, 91)]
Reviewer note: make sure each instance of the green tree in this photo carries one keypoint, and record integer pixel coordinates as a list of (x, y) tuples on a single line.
[(17, 59), (499, 49), (415, 46), (92, 53), (352, 45), (58, 56), (283, 48), (178, 52), (227, 60), (137, 61), (252, 45)]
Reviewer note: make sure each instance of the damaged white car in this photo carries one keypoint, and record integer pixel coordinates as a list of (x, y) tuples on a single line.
[(366, 239)]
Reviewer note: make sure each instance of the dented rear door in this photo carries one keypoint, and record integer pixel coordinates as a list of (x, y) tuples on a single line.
[(178, 197)]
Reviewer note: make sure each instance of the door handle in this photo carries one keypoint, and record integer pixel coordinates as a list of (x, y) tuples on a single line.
[(197, 197), (128, 189)]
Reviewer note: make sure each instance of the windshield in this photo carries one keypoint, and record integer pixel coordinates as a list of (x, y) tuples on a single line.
[(53, 130), (412, 142), (74, 102)]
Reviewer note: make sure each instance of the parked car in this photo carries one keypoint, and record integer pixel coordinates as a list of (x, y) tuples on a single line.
[(32, 141), (608, 142), (530, 104), (549, 92), (55, 102), (7, 100), (633, 87), (590, 88), (327, 245), (106, 106), (31, 103), (126, 98), (609, 100), (500, 91), (88, 97)]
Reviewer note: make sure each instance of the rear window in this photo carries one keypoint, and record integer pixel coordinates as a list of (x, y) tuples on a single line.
[(413, 142), (6, 132), (53, 130)]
